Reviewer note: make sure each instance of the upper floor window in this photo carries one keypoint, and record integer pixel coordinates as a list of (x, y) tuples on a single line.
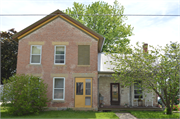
[(83, 54), (59, 54), (138, 90), (35, 55)]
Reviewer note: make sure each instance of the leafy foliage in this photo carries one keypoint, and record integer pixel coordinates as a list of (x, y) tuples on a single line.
[(158, 69), (9, 50), (27, 94), (105, 19), (175, 108)]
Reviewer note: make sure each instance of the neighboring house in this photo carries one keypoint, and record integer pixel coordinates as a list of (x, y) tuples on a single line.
[(67, 55)]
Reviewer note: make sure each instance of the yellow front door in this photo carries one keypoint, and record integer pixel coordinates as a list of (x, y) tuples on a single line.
[(83, 92)]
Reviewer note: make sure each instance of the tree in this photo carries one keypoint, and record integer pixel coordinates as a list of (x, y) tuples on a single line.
[(106, 20), (9, 50), (153, 68), (27, 94)]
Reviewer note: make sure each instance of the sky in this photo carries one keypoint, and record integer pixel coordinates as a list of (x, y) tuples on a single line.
[(154, 30)]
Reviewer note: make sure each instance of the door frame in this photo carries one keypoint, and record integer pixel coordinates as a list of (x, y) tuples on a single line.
[(115, 102), (83, 79)]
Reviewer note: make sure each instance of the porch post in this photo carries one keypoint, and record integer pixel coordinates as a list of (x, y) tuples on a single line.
[(130, 97)]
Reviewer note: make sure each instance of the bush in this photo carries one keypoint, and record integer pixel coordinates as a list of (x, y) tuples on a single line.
[(175, 108), (27, 94)]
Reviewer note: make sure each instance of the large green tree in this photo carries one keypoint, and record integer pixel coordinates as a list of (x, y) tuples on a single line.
[(158, 70), (105, 19), (9, 50)]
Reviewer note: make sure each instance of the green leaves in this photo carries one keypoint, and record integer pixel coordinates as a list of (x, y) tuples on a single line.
[(158, 69), (106, 20), (9, 49), (25, 93)]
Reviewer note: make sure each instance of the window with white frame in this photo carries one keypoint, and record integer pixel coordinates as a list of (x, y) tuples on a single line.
[(58, 88), (59, 54), (138, 90), (35, 57)]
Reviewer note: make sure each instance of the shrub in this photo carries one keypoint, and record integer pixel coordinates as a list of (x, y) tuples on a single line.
[(175, 108), (27, 94)]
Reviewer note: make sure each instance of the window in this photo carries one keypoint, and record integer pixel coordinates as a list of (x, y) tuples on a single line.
[(35, 57), (88, 86), (138, 90), (83, 54), (58, 88), (79, 88), (59, 54)]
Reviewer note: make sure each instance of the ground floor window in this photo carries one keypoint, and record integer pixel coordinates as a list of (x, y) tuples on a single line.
[(58, 88), (138, 90)]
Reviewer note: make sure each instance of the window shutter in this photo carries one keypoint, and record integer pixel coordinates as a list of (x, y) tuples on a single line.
[(83, 55)]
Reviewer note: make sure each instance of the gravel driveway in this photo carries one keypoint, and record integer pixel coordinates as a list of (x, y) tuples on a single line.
[(125, 116)]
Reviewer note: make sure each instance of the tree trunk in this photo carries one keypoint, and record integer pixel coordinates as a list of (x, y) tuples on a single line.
[(169, 111)]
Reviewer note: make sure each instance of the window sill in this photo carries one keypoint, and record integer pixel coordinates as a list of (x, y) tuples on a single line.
[(138, 99), (83, 65), (58, 100), (35, 64), (59, 65)]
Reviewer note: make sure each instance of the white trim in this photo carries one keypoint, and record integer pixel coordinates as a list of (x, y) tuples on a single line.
[(61, 88), (64, 55), (35, 54)]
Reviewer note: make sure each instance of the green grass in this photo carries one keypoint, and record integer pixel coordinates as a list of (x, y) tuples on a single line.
[(91, 114), (64, 114), (153, 114)]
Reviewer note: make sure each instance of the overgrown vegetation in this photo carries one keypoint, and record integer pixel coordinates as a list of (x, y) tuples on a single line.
[(158, 70), (24, 94)]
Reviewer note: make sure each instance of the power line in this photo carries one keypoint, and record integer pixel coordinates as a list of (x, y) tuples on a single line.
[(87, 15)]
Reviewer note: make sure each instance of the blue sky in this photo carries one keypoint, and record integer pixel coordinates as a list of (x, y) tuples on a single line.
[(154, 30)]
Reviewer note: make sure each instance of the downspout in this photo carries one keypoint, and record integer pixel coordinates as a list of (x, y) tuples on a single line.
[(98, 92)]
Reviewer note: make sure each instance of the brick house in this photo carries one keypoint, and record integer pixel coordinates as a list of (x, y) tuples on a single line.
[(67, 55)]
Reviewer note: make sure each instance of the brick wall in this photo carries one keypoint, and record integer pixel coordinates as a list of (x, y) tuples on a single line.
[(59, 31)]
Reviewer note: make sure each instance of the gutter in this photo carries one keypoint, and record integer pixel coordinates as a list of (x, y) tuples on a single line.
[(106, 72)]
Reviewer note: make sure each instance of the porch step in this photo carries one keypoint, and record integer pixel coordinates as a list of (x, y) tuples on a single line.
[(84, 109)]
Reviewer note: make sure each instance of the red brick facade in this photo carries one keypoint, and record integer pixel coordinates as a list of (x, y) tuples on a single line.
[(60, 30)]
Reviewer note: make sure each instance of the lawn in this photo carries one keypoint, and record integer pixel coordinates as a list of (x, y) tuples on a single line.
[(65, 114), (153, 114), (91, 114)]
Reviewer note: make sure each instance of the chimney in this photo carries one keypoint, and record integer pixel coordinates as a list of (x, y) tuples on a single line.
[(145, 47)]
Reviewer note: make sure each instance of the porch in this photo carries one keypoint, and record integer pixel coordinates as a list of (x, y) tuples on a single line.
[(122, 108)]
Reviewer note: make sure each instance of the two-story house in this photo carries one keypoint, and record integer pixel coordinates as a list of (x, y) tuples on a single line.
[(67, 55)]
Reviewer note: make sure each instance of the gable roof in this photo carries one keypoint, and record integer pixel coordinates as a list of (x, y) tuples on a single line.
[(67, 18)]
